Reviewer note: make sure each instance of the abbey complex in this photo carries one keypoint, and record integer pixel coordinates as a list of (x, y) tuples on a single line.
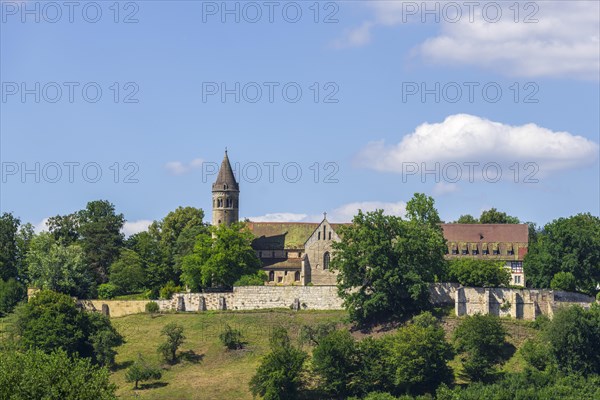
[(298, 253)]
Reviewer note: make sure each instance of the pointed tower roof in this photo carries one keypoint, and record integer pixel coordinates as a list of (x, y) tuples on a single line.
[(225, 178)]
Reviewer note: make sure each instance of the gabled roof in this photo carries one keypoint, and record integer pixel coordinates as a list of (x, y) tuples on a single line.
[(283, 235), (515, 233), (225, 178)]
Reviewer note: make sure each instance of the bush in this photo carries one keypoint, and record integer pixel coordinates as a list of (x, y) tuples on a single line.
[(418, 355), (482, 273), (574, 334), (51, 321), (36, 375), (107, 291), (231, 338), (152, 307), (481, 339), (564, 281), (11, 293), (335, 360), (174, 339), (257, 279), (141, 371), (167, 291), (537, 353), (278, 376)]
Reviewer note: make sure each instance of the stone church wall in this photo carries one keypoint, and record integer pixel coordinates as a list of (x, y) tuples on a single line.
[(504, 302)]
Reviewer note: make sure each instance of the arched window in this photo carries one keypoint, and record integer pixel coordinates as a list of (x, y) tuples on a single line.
[(329, 235), (297, 276), (326, 259), (319, 236), (324, 229), (271, 276)]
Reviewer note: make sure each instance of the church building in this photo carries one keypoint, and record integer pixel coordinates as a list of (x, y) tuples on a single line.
[(299, 253)]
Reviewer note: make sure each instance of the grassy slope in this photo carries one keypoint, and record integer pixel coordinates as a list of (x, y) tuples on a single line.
[(218, 374), (225, 375)]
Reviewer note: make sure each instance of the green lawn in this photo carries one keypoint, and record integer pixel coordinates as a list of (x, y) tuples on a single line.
[(213, 372)]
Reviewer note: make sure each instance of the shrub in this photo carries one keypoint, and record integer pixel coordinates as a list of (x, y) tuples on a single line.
[(418, 355), (257, 279), (335, 360), (537, 353), (11, 293), (574, 334), (474, 272), (231, 338), (481, 339), (174, 339), (51, 321), (167, 291), (564, 281), (107, 291), (152, 307), (37, 375), (141, 371), (278, 376)]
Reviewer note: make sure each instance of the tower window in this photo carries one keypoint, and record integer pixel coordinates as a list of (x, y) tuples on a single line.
[(326, 259)]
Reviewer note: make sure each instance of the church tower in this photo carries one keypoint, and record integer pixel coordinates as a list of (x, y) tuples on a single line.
[(225, 195)]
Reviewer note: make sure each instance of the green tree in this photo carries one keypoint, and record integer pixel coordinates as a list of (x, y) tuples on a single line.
[(418, 355), (51, 321), (177, 233), (64, 228), (25, 236), (480, 338), (421, 208), (34, 375), (257, 279), (11, 293), (474, 272), (566, 245), (128, 272), (573, 335), (467, 219), (141, 371), (493, 216), (155, 259), (221, 259), (386, 263), (9, 251), (55, 267), (101, 237), (278, 376), (174, 339), (335, 360), (564, 281)]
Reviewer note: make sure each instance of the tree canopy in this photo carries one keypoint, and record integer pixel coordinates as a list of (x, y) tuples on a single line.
[(385, 263), (220, 259), (570, 245)]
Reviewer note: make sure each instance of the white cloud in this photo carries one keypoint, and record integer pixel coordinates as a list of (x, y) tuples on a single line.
[(563, 42), (180, 168), (343, 213), (41, 226), (442, 188), (464, 138), (133, 227)]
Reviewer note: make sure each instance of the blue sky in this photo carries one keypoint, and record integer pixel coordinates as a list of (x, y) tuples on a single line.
[(162, 123)]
